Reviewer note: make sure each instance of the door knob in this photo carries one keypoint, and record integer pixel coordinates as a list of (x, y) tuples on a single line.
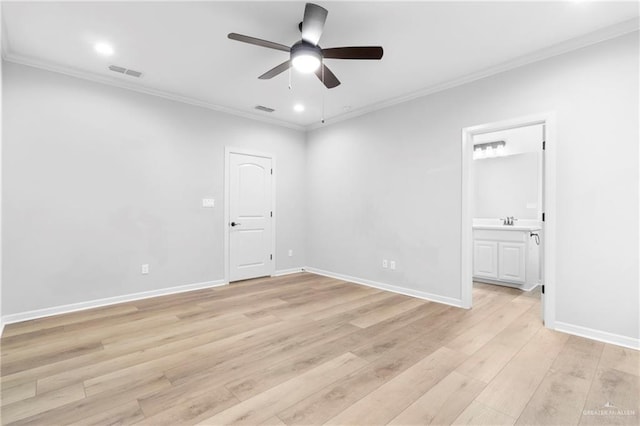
[(235, 223)]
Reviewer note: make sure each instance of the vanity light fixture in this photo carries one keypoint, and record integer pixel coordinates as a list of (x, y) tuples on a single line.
[(488, 149)]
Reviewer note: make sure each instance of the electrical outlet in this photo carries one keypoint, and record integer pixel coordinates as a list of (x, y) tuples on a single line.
[(385, 263), (392, 265), (290, 253), (145, 268)]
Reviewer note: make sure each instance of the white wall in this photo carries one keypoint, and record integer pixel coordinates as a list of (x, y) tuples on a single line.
[(388, 184), (506, 186), (98, 180)]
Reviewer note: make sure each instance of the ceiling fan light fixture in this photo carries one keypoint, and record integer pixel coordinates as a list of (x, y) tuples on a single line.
[(305, 57), (306, 63)]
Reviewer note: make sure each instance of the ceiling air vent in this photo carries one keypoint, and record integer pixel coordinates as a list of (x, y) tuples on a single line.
[(126, 71), (264, 108)]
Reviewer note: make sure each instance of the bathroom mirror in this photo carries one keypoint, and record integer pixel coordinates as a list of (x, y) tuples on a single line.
[(507, 170)]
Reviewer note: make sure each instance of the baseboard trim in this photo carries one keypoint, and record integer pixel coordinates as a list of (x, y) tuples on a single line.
[(522, 287), (601, 336), (388, 287), (81, 306), (290, 271)]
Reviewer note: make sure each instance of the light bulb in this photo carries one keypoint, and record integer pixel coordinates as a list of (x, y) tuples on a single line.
[(306, 63), (103, 49)]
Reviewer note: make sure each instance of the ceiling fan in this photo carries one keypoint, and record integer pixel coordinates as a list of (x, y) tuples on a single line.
[(306, 55)]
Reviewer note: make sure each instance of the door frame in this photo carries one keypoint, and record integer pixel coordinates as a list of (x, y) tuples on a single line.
[(228, 150), (548, 119)]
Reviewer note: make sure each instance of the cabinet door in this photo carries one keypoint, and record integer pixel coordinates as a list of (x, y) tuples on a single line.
[(512, 261), (485, 259)]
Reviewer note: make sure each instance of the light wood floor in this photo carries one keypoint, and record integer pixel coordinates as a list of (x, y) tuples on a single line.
[(305, 349)]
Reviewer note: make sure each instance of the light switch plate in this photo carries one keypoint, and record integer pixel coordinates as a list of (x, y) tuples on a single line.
[(392, 265), (208, 202)]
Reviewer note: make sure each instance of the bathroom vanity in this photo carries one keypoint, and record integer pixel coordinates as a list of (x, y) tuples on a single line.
[(507, 254)]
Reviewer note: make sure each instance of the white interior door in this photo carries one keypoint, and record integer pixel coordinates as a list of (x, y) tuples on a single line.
[(250, 216)]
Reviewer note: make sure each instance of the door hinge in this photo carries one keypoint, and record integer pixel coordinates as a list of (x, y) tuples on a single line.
[(271, 171), (544, 145), (270, 257), (542, 289), (543, 216), (271, 214)]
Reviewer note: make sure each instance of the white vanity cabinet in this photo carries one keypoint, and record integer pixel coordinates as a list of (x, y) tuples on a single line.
[(485, 259), (507, 256), (512, 262)]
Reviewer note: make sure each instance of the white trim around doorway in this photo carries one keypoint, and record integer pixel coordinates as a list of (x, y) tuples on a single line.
[(548, 119)]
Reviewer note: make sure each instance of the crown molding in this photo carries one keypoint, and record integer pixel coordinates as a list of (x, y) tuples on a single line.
[(589, 39), (9, 56), (595, 37)]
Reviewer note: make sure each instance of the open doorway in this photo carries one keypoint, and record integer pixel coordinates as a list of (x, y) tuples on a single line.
[(508, 204)]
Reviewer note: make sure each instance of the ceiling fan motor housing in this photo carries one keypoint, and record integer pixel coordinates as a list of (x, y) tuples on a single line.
[(307, 50)]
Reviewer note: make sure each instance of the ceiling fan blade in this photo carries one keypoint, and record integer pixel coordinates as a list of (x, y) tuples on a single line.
[(276, 70), (329, 79), (360, 52), (258, 42), (313, 23)]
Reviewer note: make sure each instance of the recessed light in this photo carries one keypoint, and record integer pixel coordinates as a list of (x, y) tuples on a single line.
[(103, 49), (298, 107)]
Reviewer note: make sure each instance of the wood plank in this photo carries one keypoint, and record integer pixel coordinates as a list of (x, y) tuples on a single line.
[(510, 391), (558, 401), (484, 331), (562, 394), (265, 405), (18, 392), (443, 403), (125, 414), (479, 414), (273, 421), (185, 407), (341, 307), (489, 360), (386, 402), (622, 359), (320, 406), (55, 321), (614, 398), (171, 352), (291, 338), (579, 358), (25, 361), (41, 403), (77, 411), (387, 312)]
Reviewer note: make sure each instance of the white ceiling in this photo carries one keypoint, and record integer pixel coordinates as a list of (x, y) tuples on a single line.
[(183, 50)]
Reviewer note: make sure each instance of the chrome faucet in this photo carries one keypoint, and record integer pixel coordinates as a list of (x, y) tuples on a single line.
[(509, 220)]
